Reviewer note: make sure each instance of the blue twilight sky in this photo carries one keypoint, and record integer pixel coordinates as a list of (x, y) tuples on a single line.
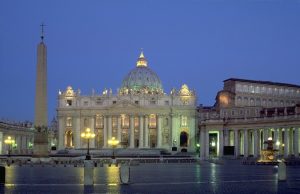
[(94, 44)]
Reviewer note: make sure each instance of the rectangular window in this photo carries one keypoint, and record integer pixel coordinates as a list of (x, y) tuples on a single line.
[(152, 121), (99, 122), (167, 102), (125, 121), (86, 103), (183, 121), (99, 102), (152, 102), (114, 102), (69, 102), (69, 122), (114, 122), (136, 102)]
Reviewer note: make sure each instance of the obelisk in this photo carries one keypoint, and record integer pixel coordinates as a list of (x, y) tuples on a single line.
[(40, 146)]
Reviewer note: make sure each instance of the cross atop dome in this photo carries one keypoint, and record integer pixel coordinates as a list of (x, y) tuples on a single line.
[(142, 62)]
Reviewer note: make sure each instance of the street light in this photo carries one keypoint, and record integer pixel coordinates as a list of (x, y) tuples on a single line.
[(88, 135), (9, 142), (113, 142)]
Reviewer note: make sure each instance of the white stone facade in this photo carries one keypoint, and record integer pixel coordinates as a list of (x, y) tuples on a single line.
[(140, 115)]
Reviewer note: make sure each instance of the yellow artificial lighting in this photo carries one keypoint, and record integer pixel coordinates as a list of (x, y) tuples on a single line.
[(282, 145), (9, 140), (270, 138), (88, 134), (224, 100), (142, 62), (113, 141), (278, 143)]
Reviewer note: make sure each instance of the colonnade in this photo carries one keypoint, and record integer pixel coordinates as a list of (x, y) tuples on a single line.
[(21, 142), (249, 142), (141, 132)]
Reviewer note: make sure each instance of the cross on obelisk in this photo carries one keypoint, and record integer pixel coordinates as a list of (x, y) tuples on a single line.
[(42, 33)]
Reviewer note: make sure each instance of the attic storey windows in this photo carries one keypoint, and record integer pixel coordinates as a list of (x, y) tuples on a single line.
[(69, 103)]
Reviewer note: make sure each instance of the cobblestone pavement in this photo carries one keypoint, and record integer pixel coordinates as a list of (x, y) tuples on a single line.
[(231, 177)]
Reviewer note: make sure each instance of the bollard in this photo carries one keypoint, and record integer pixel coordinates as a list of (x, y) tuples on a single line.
[(88, 172), (2, 175), (124, 174), (281, 171)]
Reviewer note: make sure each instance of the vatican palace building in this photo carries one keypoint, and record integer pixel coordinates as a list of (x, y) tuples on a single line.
[(246, 114)]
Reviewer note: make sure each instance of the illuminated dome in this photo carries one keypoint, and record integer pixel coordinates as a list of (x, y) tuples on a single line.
[(141, 80)]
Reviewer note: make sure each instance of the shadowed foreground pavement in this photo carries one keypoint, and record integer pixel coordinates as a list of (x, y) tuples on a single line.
[(154, 178)]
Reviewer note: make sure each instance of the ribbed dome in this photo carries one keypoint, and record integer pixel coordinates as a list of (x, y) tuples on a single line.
[(141, 79)]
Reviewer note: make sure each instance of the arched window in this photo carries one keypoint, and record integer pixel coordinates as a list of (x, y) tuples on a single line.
[(270, 103), (252, 102), (281, 103), (239, 100)]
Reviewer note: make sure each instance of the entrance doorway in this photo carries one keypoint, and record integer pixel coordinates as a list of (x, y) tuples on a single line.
[(183, 139), (213, 144)]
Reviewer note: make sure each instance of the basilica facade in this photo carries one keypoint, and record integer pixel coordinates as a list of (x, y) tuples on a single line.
[(246, 114), (139, 115)]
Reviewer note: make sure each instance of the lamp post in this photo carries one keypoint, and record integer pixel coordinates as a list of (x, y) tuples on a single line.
[(9, 142), (113, 142), (88, 135)]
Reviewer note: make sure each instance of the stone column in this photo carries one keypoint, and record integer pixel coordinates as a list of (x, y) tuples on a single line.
[(174, 131), (131, 141), (76, 132), (119, 132), (202, 143), (141, 125), (280, 138), (255, 143), (296, 142), (158, 145), (105, 132), (207, 143), (236, 143), (275, 138), (291, 141), (265, 135), (246, 141), (25, 146), (286, 142), (18, 142), (92, 123), (146, 135), (61, 132), (221, 143), (109, 126)]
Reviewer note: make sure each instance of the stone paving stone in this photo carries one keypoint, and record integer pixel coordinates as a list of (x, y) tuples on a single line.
[(229, 178)]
